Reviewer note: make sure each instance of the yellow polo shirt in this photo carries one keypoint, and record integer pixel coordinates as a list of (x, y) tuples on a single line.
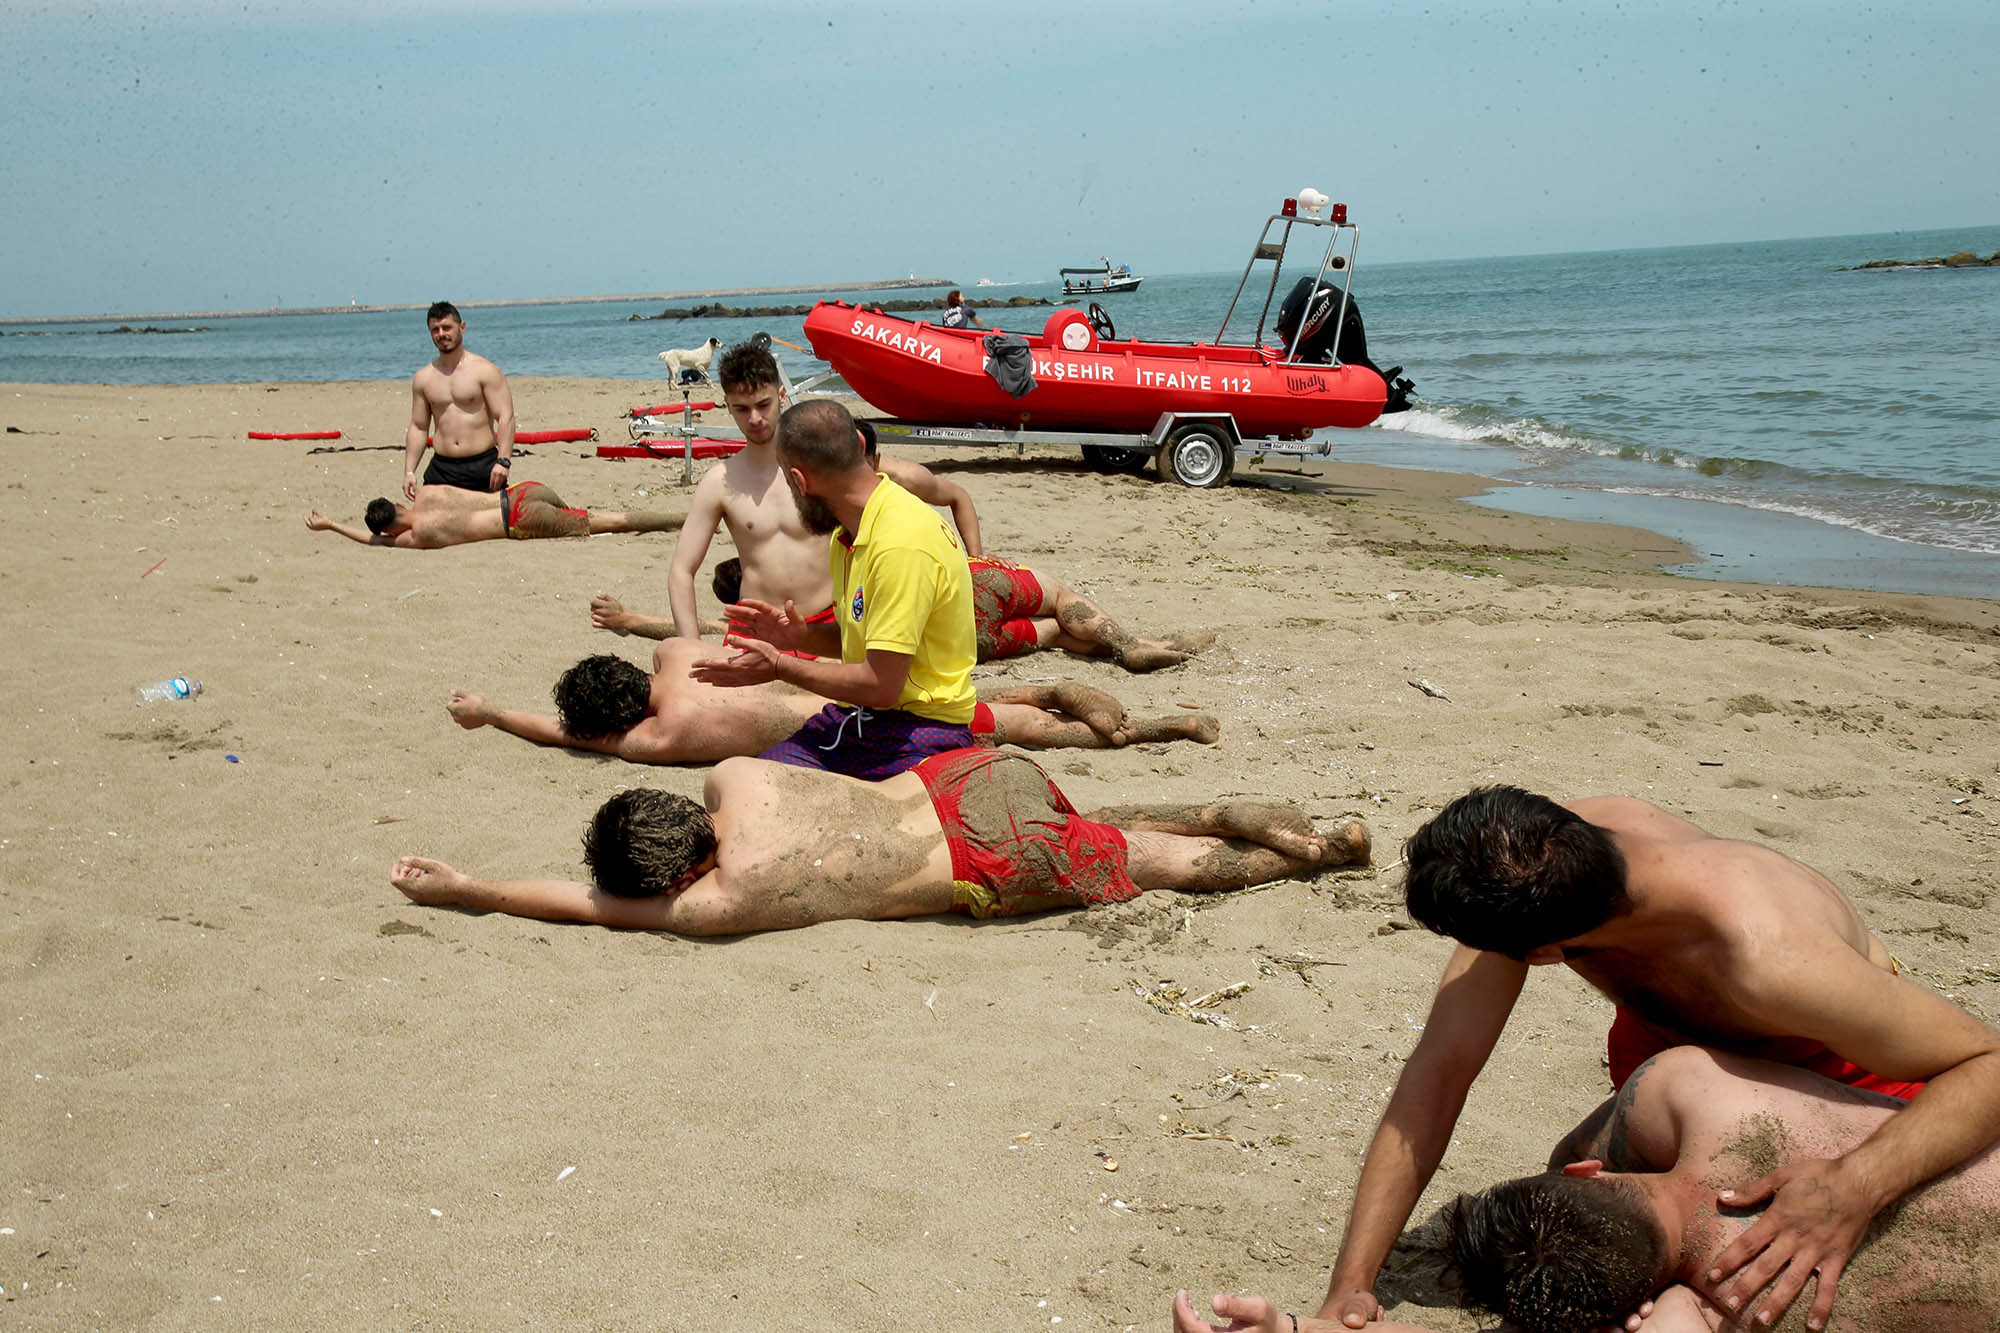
[(901, 585)]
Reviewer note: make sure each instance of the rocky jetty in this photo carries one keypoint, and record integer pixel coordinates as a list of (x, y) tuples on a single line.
[(1963, 259), (767, 311)]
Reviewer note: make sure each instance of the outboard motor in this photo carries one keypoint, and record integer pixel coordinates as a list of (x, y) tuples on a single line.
[(1316, 309)]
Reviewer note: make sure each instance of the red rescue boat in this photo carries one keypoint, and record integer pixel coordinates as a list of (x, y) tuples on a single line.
[(1086, 378)]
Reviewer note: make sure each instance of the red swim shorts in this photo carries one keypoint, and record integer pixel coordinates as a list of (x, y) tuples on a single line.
[(1005, 601), (1632, 1041), (528, 509), (1017, 844)]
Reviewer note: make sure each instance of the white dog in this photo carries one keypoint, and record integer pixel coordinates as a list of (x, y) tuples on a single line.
[(695, 359)]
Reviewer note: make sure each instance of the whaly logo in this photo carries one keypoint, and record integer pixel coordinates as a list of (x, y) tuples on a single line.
[(856, 607), (1305, 384)]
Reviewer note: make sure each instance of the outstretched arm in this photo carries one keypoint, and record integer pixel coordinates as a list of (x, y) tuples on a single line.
[(691, 548), (435, 884), (1474, 997), (607, 612), (472, 712), (319, 522)]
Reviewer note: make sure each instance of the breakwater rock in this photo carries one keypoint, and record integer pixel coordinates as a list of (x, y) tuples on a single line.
[(719, 311), (1963, 259)]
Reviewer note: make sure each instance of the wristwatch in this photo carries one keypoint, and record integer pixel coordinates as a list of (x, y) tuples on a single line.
[(503, 462)]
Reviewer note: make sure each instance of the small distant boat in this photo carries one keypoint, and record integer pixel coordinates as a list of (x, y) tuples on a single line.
[(986, 282), (1101, 280)]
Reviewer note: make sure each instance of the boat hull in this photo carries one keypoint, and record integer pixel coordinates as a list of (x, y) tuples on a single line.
[(923, 372), (1109, 287)]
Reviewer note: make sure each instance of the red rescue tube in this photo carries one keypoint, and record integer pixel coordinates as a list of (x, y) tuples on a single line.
[(295, 435), (664, 408), (554, 436), (670, 451)]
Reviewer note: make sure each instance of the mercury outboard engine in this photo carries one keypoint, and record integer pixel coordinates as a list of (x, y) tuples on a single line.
[(1317, 308)]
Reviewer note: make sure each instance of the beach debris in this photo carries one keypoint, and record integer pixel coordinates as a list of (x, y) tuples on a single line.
[(155, 565), (1171, 999), (1423, 686), (564, 1174), (1111, 1164), (388, 819), (930, 1003)]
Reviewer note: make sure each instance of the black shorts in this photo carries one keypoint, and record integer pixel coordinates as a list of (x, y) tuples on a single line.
[(468, 474)]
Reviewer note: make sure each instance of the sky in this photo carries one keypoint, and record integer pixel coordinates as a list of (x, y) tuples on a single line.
[(190, 155)]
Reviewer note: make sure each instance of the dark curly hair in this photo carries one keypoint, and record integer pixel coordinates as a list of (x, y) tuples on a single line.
[(1556, 1254), (748, 366), (602, 696), (381, 512), (643, 842), (1509, 871)]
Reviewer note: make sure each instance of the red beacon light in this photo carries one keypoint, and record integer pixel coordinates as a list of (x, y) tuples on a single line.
[(1290, 208), (1340, 215)]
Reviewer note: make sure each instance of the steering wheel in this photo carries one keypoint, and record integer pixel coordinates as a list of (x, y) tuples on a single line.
[(1102, 323)]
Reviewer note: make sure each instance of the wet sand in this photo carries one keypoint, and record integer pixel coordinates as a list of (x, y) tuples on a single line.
[(249, 1084)]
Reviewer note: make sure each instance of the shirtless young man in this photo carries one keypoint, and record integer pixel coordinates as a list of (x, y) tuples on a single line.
[(747, 492), (448, 516), (607, 705), (461, 406), (978, 831), (1628, 1212), (1699, 940)]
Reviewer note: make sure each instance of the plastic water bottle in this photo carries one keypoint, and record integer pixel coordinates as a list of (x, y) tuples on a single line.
[(176, 687)]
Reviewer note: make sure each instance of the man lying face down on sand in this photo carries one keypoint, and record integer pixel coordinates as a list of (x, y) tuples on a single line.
[(1627, 1212), (1699, 940), (607, 705), (447, 516), (978, 831)]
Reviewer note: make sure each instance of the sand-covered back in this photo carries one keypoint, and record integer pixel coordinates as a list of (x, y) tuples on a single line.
[(246, 1084)]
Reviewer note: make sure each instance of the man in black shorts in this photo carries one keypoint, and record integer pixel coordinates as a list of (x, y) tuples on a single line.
[(461, 407)]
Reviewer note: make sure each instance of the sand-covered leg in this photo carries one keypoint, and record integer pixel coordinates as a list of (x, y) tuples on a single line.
[(637, 520), (1283, 828), (1085, 629)]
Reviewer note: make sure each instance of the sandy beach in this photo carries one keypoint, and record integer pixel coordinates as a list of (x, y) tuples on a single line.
[(249, 1085)]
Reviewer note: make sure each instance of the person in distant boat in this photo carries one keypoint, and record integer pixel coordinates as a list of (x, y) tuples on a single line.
[(607, 705), (461, 407), (985, 832), (447, 516), (958, 314)]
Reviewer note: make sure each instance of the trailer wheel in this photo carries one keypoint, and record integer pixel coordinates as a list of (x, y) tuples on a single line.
[(1197, 455), (1106, 458)]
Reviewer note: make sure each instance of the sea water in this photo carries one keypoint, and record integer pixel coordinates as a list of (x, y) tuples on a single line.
[(1791, 421)]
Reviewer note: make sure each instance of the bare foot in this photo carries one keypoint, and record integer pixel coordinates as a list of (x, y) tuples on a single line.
[(1192, 643), (422, 880), (1204, 727), (607, 612), (1348, 845), (1150, 655), (1282, 828)]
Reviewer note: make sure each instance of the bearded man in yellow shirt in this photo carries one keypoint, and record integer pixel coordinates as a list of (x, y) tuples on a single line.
[(897, 661)]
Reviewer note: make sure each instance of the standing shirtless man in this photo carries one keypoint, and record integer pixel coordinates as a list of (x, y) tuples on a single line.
[(461, 406), (747, 492)]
